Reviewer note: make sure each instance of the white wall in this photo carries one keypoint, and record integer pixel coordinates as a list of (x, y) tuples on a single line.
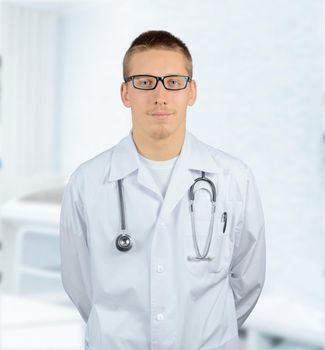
[(258, 69)]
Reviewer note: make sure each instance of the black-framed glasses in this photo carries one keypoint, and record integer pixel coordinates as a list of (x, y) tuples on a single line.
[(149, 82)]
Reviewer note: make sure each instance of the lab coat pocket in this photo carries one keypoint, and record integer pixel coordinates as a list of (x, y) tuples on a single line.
[(220, 248)]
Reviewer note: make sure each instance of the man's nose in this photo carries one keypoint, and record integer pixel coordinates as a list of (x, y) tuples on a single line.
[(160, 93)]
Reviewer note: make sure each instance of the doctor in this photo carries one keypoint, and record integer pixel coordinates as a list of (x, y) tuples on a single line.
[(147, 267)]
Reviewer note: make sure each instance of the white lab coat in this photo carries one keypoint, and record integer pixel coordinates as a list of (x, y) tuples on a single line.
[(152, 297)]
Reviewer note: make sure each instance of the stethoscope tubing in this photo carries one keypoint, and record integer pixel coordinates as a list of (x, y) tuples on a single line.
[(122, 208)]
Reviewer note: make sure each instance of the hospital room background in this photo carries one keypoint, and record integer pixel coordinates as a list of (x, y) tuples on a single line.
[(258, 67)]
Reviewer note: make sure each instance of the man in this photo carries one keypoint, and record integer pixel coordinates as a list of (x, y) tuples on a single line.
[(147, 267)]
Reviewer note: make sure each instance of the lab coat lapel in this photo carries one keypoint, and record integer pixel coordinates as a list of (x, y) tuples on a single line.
[(146, 179), (180, 181), (179, 184)]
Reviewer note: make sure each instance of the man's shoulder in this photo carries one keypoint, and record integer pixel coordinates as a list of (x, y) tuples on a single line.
[(94, 168), (236, 170)]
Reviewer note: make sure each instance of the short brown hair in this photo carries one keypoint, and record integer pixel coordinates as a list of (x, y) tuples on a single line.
[(157, 39)]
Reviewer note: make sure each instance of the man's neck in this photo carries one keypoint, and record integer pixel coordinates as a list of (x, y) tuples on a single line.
[(159, 149)]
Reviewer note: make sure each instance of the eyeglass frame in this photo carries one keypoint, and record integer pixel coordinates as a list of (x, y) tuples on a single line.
[(131, 78)]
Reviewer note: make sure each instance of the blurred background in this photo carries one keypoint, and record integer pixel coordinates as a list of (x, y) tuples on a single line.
[(258, 67)]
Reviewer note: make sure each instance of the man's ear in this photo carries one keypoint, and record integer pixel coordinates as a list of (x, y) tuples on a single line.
[(125, 95), (192, 93)]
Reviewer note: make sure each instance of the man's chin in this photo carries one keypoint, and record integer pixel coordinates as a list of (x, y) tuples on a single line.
[(161, 132)]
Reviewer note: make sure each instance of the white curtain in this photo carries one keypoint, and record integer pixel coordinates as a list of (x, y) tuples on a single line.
[(29, 99)]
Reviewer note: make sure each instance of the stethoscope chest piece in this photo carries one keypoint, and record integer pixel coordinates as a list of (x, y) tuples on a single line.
[(124, 242)]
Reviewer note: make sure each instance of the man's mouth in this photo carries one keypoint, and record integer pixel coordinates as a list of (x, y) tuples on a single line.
[(161, 114)]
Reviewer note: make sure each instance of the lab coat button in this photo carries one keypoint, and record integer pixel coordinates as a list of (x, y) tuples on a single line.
[(160, 268), (160, 317)]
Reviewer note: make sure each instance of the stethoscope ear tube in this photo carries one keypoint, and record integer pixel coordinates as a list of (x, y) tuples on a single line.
[(212, 186)]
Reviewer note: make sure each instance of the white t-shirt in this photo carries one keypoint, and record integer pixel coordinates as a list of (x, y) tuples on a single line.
[(161, 171)]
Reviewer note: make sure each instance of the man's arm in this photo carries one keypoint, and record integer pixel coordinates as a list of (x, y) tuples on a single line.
[(247, 270), (75, 262)]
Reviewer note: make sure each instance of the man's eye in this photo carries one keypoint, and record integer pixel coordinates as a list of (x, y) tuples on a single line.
[(145, 82), (173, 82)]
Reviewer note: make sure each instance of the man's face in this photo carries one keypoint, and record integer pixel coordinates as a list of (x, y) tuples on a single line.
[(158, 113)]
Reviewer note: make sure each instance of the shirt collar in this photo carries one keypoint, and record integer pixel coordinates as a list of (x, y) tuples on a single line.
[(194, 153)]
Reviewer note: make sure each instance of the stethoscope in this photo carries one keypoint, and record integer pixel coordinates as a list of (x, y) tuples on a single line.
[(213, 197), (124, 241)]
